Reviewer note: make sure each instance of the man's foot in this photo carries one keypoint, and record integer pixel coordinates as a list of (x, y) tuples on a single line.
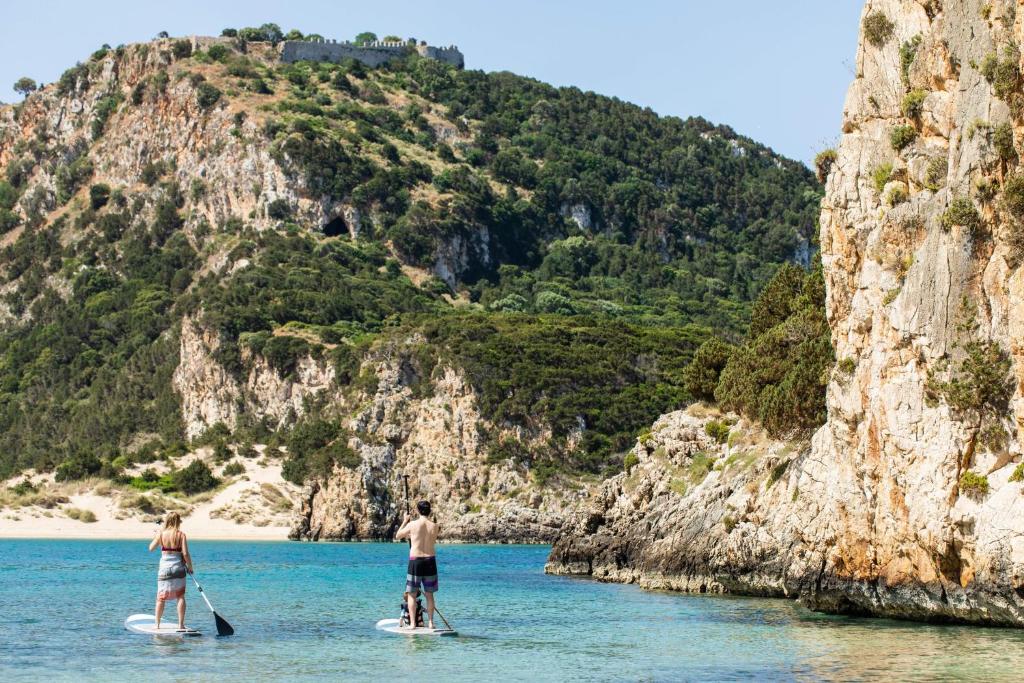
[(430, 625)]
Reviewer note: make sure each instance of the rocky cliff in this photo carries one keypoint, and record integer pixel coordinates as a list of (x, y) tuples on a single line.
[(908, 502), (435, 440)]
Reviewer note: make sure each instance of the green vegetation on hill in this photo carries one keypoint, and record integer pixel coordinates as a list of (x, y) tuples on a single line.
[(599, 245)]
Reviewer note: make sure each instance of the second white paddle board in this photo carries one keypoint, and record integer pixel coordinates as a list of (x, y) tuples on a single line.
[(146, 624), (391, 626)]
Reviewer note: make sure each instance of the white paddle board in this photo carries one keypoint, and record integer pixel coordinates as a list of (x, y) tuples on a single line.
[(391, 626), (146, 624)]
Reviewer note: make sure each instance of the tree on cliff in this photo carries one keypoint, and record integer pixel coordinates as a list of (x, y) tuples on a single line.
[(25, 85), (702, 374), (779, 376), (365, 37)]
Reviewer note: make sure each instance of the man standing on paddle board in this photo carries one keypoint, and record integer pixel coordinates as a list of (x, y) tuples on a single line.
[(422, 574)]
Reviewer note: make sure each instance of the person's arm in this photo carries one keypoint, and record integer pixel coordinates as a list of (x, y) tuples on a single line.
[(185, 554), (403, 531), (155, 542)]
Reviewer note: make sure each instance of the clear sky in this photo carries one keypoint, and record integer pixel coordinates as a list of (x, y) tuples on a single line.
[(775, 70)]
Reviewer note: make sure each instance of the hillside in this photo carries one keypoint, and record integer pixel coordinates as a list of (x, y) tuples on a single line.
[(204, 244), (907, 502)]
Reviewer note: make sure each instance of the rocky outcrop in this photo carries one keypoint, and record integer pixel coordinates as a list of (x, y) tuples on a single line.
[(210, 394), (433, 438), (904, 505), (692, 514)]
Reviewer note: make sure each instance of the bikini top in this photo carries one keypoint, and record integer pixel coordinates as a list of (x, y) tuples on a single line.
[(165, 549)]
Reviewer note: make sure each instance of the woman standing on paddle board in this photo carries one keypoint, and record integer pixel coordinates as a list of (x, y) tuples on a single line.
[(175, 561)]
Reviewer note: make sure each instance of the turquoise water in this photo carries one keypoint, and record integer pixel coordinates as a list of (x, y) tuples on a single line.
[(306, 612)]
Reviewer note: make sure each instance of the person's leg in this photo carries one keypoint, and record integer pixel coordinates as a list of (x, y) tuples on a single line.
[(430, 609), (181, 612), (159, 611)]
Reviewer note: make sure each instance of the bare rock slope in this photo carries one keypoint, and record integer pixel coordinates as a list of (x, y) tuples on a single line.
[(908, 501)]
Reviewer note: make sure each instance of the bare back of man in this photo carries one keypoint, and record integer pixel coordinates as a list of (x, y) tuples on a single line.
[(422, 535), (422, 573)]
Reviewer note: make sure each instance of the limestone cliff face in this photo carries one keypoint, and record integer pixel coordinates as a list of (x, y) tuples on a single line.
[(434, 439), (210, 394), (904, 504), (427, 429)]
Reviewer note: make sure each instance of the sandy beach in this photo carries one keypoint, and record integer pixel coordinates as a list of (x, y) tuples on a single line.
[(258, 505)]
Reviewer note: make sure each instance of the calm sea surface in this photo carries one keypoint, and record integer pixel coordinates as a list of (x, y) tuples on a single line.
[(306, 612)]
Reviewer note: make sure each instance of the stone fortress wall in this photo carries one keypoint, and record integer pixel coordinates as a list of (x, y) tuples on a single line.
[(371, 54)]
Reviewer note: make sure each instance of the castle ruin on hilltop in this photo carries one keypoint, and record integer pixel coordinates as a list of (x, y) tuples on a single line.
[(371, 54)]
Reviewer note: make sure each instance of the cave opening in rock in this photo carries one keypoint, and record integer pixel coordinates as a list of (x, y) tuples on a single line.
[(336, 227)]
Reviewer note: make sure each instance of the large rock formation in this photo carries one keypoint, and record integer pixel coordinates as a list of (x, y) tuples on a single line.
[(434, 440), (904, 505), (426, 429)]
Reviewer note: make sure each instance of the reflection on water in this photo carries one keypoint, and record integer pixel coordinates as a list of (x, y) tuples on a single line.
[(306, 612)]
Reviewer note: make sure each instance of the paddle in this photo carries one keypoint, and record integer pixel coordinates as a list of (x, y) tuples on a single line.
[(442, 618), (405, 485), (223, 627)]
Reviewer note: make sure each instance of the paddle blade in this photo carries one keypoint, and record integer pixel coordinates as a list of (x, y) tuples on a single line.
[(223, 627)]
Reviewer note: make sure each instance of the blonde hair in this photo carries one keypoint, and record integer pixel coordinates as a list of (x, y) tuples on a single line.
[(172, 520)]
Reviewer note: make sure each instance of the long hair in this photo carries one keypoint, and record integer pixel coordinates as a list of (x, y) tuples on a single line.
[(172, 520)]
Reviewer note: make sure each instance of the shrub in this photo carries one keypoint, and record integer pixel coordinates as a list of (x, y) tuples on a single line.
[(973, 484), (1018, 473), (78, 466), (846, 366), (701, 376), (986, 189), (901, 136), (979, 381), (630, 462), (908, 53), (719, 431), (207, 95), (1002, 73), (878, 29), (221, 452), (823, 163), (961, 212), (1013, 195), (935, 173), (279, 209), (1002, 141), (70, 79), (99, 195), (181, 49), (881, 176), (24, 487), (86, 516), (729, 522), (233, 469), (913, 103), (776, 473), (70, 176), (314, 448), (195, 478), (8, 195), (897, 195)]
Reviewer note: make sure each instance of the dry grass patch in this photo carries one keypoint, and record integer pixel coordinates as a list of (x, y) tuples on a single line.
[(85, 516)]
